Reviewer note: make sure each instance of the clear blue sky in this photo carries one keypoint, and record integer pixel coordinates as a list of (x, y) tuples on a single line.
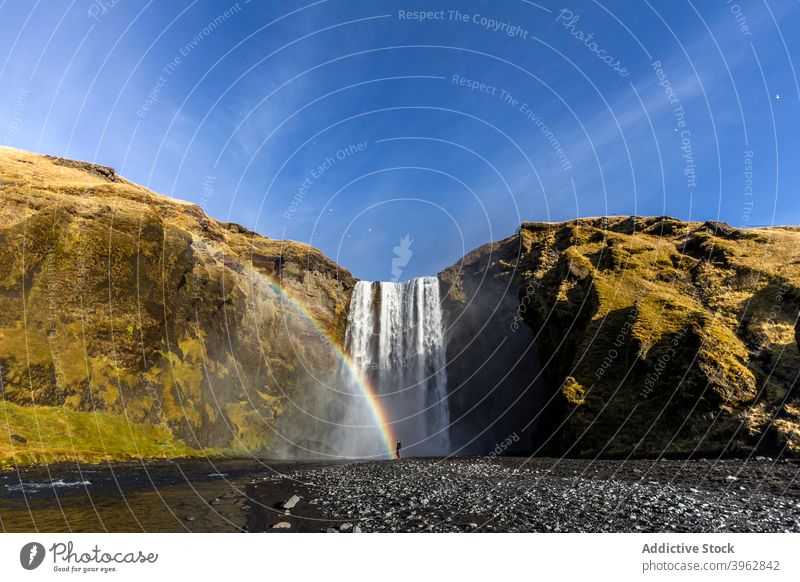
[(468, 122)]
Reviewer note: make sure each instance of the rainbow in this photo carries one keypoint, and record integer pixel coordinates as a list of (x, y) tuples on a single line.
[(382, 422)]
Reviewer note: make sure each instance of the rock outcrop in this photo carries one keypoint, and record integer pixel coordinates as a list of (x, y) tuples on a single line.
[(495, 388), (135, 325), (658, 336)]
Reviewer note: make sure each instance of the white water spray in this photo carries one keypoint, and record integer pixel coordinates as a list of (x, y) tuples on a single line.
[(395, 337)]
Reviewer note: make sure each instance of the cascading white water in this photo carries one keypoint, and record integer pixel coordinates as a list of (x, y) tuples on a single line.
[(395, 337)]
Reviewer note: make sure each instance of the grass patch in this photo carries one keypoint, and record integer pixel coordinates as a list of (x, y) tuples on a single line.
[(48, 434)]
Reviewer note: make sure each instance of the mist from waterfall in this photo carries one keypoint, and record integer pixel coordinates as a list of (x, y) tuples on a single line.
[(395, 336)]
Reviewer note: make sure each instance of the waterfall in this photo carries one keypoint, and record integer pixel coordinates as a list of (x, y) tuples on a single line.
[(395, 337)]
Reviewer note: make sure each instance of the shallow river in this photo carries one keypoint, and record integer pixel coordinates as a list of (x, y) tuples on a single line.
[(186, 495)]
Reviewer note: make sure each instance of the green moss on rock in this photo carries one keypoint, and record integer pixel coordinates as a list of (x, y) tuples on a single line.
[(127, 305), (662, 336)]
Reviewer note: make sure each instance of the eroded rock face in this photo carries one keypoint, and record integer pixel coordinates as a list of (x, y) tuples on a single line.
[(797, 332), (133, 325), (659, 336), (493, 367), (650, 336), (117, 300)]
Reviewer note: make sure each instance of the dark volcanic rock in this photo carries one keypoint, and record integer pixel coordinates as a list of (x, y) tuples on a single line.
[(492, 361)]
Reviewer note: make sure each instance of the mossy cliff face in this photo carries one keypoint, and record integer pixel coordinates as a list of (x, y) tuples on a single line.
[(659, 336), (135, 326), (119, 303)]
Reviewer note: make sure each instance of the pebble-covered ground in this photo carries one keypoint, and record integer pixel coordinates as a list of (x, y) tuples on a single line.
[(530, 495)]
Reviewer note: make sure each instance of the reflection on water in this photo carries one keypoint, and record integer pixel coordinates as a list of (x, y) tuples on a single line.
[(186, 495)]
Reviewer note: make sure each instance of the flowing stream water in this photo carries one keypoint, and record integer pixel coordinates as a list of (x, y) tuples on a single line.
[(395, 337)]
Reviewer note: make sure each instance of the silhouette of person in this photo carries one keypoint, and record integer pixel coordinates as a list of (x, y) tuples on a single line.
[(397, 450)]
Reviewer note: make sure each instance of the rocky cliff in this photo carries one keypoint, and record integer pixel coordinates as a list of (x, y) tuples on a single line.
[(495, 386), (133, 325), (654, 335)]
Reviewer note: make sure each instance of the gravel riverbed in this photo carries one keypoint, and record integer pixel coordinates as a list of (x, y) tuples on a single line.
[(531, 495)]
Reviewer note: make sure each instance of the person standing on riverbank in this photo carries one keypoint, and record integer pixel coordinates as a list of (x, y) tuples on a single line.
[(397, 450)]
